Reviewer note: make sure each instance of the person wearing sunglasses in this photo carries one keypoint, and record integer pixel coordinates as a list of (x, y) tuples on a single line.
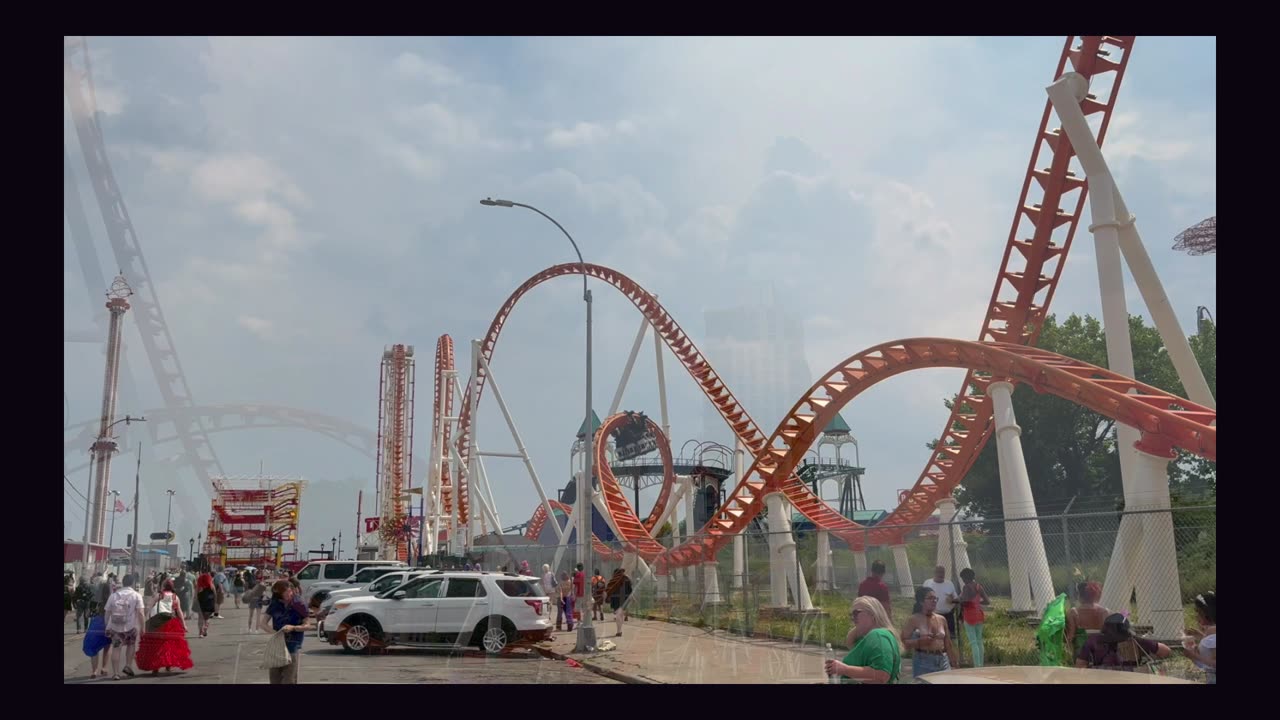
[(876, 654)]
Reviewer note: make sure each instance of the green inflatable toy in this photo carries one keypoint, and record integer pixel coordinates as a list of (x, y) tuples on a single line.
[(1050, 636)]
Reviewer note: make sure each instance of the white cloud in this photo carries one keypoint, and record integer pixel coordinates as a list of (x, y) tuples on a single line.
[(414, 65), (257, 326), (583, 133)]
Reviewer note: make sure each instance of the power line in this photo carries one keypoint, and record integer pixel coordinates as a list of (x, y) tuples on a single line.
[(73, 487), (74, 500)]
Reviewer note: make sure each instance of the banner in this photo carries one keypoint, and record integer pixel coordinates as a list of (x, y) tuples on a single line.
[(371, 524)]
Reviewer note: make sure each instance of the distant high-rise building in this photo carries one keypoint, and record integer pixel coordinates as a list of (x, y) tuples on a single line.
[(759, 352)]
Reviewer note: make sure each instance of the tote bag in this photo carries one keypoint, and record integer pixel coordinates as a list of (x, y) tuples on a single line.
[(276, 653)]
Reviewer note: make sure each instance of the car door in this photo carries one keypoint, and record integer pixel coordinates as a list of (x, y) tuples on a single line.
[(416, 612), (464, 603)]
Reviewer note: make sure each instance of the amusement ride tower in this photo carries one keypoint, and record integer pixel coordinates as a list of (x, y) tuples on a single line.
[(104, 447), (395, 451)]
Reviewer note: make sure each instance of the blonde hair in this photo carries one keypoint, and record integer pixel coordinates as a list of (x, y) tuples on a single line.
[(866, 603)]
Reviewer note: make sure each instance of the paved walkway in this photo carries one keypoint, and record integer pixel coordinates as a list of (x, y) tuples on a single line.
[(652, 651)]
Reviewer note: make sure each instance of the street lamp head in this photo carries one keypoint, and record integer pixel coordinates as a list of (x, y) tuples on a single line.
[(497, 203)]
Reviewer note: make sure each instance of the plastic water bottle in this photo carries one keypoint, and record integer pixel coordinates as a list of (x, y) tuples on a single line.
[(831, 655)]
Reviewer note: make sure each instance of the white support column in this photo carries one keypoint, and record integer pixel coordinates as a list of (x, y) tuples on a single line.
[(950, 537), (860, 565), (520, 448), (564, 540), (902, 571), (739, 542), (626, 373), (662, 382), (488, 492), (711, 583), (690, 573), (775, 504), (826, 576), (1066, 94), (785, 549), (1148, 566), (1031, 585), (1111, 214)]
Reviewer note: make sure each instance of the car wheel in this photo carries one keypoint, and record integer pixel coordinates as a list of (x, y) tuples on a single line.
[(496, 635), (359, 637)]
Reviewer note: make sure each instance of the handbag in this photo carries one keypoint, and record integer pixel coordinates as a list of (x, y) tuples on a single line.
[(276, 653)]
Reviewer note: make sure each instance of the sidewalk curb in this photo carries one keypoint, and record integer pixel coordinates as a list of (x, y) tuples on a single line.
[(598, 670)]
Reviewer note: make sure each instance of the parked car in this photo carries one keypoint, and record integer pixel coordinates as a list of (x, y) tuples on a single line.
[(385, 581), (1023, 675), (444, 610), (329, 575)]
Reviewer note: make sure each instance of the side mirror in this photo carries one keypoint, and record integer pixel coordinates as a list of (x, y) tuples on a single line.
[(399, 595)]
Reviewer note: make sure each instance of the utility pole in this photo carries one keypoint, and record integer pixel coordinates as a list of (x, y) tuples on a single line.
[(137, 485)]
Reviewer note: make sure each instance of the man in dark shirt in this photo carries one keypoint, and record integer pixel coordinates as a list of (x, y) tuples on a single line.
[(1115, 648), (874, 587)]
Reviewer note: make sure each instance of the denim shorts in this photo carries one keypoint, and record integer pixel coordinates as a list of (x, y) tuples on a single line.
[(922, 663)]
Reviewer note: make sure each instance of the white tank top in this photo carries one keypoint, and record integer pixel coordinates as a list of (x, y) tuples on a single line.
[(165, 605)]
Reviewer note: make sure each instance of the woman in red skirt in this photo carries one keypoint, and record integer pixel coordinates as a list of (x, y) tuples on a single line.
[(164, 643)]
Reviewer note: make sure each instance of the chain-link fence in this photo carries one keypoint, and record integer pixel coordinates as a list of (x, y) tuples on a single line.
[(1158, 561)]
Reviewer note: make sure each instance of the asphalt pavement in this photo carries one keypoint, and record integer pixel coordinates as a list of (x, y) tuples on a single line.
[(231, 655)]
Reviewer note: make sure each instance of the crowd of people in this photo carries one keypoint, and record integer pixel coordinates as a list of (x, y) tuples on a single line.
[(125, 628), (1095, 637)]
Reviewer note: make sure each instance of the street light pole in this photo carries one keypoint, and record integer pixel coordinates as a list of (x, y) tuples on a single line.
[(88, 498), (137, 487), (339, 544), (169, 516), (85, 566), (586, 629), (111, 542)]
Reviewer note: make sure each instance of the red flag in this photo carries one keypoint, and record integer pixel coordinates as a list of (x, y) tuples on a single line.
[(119, 506), (371, 524)]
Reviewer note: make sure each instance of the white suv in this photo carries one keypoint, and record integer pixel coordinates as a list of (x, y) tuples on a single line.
[(444, 609), (386, 581)]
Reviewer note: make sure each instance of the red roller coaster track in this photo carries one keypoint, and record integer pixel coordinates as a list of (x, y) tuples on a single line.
[(1015, 313)]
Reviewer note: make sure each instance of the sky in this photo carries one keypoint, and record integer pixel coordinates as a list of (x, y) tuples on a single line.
[(302, 203)]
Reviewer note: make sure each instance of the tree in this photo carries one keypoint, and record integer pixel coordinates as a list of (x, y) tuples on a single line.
[(1071, 451)]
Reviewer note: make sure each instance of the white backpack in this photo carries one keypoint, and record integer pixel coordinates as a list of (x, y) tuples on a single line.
[(118, 610)]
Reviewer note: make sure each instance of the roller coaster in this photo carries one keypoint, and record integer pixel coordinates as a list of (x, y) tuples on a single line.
[(1030, 269)]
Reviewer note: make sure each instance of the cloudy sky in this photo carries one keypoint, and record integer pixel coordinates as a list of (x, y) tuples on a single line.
[(301, 203)]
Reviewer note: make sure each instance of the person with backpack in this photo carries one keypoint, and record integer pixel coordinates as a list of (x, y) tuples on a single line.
[(206, 600), (124, 617), (237, 583), (164, 642), (618, 590)]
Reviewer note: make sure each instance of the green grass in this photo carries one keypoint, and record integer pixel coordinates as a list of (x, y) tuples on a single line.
[(1007, 640)]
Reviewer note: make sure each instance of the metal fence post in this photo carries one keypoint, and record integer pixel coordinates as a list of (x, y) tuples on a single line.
[(1066, 543), (955, 576)]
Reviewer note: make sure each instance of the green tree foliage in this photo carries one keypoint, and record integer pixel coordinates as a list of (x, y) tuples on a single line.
[(1071, 451)]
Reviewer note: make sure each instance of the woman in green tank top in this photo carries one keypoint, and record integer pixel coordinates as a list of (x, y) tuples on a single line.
[(876, 656)]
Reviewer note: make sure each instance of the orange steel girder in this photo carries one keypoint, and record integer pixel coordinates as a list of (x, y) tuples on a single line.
[(636, 534), (1165, 421)]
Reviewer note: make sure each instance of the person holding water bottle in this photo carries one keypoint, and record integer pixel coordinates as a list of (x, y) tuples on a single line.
[(876, 654)]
